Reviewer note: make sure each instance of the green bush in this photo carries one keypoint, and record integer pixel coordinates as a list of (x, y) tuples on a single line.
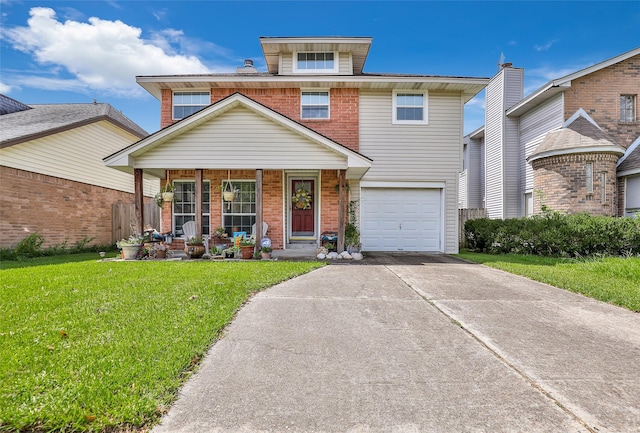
[(31, 247), (556, 235)]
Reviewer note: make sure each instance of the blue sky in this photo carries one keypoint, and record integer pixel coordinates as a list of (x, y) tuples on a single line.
[(78, 51)]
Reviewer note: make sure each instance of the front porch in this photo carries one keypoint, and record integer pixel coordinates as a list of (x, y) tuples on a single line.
[(262, 196)]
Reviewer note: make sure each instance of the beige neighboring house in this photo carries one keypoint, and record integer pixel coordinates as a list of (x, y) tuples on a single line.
[(52, 179)]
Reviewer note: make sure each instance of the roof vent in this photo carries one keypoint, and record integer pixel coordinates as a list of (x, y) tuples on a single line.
[(248, 68)]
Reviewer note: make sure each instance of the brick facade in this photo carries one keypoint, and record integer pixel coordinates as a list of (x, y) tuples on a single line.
[(560, 184), (342, 127), (599, 95), (272, 187), (58, 209)]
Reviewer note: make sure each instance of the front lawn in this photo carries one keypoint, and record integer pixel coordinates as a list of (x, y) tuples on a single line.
[(615, 280), (104, 346)]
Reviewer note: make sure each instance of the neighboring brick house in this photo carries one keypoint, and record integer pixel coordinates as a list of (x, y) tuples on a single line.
[(317, 125), (52, 178), (569, 146)]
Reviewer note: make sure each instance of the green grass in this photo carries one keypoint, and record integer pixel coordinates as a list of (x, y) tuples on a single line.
[(104, 346), (615, 280)]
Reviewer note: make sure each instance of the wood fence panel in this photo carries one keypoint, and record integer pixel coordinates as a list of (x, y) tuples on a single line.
[(123, 215), (463, 216)]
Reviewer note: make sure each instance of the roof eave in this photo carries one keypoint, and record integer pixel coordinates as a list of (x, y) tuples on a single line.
[(590, 149)]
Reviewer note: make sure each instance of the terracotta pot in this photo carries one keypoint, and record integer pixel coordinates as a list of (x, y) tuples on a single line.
[(161, 254), (194, 251), (247, 252), (266, 256)]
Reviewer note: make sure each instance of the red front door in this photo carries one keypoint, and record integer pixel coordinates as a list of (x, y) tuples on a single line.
[(302, 207)]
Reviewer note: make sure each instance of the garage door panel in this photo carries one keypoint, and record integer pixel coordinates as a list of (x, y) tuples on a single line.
[(396, 219)]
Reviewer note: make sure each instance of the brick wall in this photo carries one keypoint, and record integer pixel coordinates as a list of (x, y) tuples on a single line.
[(58, 209), (559, 182), (343, 125), (599, 95), (272, 187)]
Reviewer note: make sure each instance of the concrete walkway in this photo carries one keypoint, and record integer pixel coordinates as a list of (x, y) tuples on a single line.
[(432, 344)]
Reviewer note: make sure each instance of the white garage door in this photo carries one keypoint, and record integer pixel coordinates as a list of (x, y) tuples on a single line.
[(399, 219)]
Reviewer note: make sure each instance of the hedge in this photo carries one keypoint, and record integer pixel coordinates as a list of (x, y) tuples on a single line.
[(555, 234)]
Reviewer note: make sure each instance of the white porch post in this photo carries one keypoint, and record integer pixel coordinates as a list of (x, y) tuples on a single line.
[(138, 200), (259, 208), (198, 204), (342, 201)]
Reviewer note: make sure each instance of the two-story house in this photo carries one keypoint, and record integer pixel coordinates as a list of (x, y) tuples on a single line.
[(299, 142), (573, 145)]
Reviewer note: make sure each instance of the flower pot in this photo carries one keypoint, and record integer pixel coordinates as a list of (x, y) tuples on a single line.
[(161, 254), (266, 256), (129, 252), (228, 195), (194, 251), (247, 252), (167, 196)]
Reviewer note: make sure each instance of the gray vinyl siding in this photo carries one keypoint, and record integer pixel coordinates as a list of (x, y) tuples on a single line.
[(494, 113), (502, 144), (77, 155), (241, 138), (514, 87), (415, 153), (534, 125), (475, 166)]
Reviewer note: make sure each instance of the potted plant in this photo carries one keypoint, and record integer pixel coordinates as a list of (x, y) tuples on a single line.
[(265, 252), (228, 191), (130, 247), (352, 238), (230, 253), (159, 251), (220, 232), (168, 191), (247, 246), (194, 247)]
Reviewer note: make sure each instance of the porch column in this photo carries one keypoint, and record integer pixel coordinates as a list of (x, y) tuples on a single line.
[(198, 199), (259, 215), (342, 201), (138, 200)]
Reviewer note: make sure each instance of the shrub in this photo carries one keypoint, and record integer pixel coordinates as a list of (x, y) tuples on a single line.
[(555, 234), (31, 247)]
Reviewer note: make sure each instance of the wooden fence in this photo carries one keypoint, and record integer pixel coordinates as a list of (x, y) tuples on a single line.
[(124, 214), (463, 216)]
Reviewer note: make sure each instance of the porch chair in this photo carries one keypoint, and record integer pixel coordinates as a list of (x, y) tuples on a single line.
[(189, 229), (265, 227)]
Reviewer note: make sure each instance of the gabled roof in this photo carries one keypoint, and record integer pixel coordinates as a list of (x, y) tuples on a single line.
[(630, 162), (46, 119), (355, 163), (580, 134), (560, 84)]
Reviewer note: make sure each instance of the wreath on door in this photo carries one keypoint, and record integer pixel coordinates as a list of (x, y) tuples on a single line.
[(301, 199)]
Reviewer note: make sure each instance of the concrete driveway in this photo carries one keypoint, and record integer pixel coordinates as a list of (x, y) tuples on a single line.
[(415, 343)]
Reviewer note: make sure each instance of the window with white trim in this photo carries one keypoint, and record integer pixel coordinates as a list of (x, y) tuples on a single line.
[(315, 62), (627, 108), (184, 206), (314, 104), (240, 214), (410, 107), (528, 204), (187, 103)]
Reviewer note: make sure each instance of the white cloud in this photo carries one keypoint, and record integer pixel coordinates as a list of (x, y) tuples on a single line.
[(102, 55), (4, 88), (546, 46)]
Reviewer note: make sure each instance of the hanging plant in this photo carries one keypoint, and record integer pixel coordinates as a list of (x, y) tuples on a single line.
[(302, 199)]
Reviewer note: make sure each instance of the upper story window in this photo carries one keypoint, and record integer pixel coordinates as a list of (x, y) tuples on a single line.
[(314, 105), (410, 107), (306, 63), (187, 103), (627, 108)]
